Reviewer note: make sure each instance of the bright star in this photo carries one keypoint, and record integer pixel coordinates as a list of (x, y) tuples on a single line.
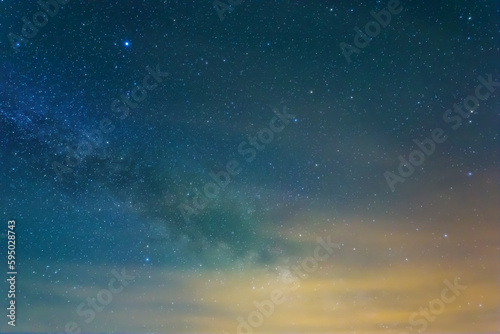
[(127, 43)]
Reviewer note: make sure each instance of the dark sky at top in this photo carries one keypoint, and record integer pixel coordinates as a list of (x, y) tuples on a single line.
[(124, 201)]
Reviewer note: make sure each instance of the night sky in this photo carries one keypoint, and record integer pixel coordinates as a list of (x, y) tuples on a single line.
[(256, 167)]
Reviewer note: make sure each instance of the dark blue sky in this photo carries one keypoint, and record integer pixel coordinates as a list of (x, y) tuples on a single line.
[(126, 197)]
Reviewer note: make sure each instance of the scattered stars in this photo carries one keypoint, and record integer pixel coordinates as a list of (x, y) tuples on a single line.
[(205, 171)]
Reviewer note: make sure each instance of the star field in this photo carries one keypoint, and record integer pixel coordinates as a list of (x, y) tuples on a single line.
[(173, 166)]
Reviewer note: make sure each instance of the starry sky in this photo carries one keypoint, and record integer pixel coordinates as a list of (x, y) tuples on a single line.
[(136, 143)]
